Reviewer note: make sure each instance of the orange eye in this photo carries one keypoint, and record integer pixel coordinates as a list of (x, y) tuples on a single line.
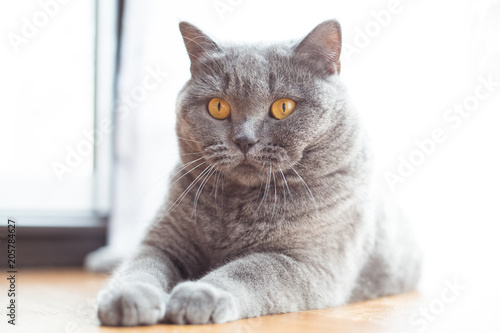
[(219, 109), (282, 108)]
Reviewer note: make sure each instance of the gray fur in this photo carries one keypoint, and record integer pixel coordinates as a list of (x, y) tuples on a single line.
[(298, 226)]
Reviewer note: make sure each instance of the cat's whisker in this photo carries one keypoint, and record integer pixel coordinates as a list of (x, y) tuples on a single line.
[(215, 171), (216, 188), (286, 183), (220, 173), (217, 184), (200, 188), (275, 195), (216, 175), (183, 154), (306, 186), (157, 180), (222, 191), (183, 194), (268, 183), (265, 190), (187, 173), (184, 167), (284, 195), (269, 178), (298, 163), (262, 180), (283, 186), (190, 140)]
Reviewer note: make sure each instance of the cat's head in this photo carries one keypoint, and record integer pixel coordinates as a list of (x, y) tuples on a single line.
[(251, 109)]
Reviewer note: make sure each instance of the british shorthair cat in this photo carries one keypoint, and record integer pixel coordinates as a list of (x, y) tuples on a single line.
[(274, 208)]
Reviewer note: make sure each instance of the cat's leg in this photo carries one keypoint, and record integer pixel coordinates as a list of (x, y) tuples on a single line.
[(137, 292), (254, 285)]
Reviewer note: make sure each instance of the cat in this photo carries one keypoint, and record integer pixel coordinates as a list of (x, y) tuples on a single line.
[(274, 208)]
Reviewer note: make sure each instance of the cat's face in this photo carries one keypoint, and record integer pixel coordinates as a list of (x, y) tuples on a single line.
[(240, 133)]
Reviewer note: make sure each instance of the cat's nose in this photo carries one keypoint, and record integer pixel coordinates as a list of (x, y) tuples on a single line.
[(245, 143)]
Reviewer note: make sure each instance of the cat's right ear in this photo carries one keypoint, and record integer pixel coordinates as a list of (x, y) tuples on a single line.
[(198, 45), (321, 48)]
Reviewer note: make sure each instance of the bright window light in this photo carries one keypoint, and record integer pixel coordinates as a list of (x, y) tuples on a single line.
[(47, 105)]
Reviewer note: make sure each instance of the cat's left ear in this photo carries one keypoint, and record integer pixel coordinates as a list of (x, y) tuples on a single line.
[(321, 48), (198, 45)]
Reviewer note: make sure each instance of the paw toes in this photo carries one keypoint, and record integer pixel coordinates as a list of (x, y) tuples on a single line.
[(108, 317), (150, 318), (130, 315), (200, 303), (135, 304), (224, 312)]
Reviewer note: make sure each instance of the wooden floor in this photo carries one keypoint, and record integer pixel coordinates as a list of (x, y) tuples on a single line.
[(64, 301)]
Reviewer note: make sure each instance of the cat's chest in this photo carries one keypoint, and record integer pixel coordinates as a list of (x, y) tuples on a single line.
[(247, 224), (239, 224)]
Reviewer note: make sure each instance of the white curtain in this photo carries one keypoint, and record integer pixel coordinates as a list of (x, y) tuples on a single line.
[(145, 146)]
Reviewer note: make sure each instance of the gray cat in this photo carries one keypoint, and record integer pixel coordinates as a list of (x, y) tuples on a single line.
[(274, 209)]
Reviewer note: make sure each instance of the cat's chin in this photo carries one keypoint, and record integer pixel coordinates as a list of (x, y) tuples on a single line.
[(245, 167), (247, 174)]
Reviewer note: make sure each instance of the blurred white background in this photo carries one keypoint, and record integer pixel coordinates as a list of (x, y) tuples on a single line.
[(47, 99), (409, 66)]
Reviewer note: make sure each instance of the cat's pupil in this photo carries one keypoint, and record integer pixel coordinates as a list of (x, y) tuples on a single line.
[(218, 106), (283, 107)]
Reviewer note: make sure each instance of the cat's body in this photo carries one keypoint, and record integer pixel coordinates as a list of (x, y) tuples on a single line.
[(290, 222)]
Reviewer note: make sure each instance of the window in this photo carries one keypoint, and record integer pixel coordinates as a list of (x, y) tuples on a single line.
[(58, 69), (58, 72)]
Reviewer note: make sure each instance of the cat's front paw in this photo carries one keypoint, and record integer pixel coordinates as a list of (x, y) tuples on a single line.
[(131, 304), (200, 303)]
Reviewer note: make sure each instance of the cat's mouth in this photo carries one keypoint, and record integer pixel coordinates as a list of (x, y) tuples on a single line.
[(246, 165)]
